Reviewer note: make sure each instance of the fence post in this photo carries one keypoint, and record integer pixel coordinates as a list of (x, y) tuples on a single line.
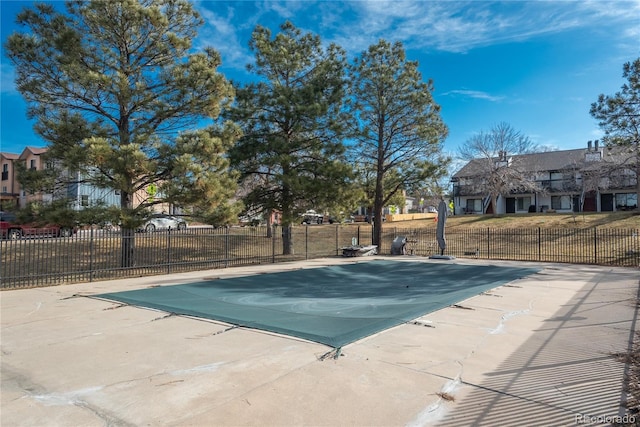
[(488, 243), (226, 248), (306, 242), (595, 245), (539, 244), (91, 255), (169, 250), (337, 239), (273, 243)]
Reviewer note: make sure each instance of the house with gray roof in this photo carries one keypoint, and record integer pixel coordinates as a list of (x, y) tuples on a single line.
[(592, 179)]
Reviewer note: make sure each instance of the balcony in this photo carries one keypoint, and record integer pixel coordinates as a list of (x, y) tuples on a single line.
[(559, 185), (467, 190)]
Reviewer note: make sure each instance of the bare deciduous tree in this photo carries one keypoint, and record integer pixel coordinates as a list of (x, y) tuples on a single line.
[(497, 172)]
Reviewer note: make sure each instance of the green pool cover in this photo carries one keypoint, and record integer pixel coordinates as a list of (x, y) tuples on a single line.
[(331, 305)]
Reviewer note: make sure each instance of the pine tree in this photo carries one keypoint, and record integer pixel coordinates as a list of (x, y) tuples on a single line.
[(291, 151), (619, 117), (398, 128), (120, 98)]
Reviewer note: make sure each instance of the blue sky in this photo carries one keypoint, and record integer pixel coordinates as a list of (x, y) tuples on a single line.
[(537, 65)]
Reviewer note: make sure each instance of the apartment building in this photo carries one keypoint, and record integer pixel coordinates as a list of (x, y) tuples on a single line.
[(12, 195), (592, 179), (75, 188)]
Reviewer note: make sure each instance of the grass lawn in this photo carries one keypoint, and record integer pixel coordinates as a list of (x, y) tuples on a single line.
[(532, 220), (545, 237)]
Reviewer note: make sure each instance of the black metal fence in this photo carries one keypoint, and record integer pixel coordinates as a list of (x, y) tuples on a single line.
[(94, 254), (598, 246)]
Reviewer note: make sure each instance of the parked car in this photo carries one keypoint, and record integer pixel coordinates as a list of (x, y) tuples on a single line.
[(163, 222), (10, 229), (347, 220), (252, 221), (312, 217)]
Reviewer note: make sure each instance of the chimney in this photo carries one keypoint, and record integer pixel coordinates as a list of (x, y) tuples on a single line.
[(593, 155), (589, 145)]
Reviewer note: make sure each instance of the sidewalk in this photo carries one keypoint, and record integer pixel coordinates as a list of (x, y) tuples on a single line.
[(538, 351), (564, 373)]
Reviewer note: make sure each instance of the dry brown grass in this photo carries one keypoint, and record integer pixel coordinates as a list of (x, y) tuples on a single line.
[(532, 220), (527, 237)]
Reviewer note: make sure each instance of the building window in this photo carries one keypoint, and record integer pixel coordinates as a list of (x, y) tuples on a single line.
[(474, 205), (561, 202), (32, 164), (84, 200), (626, 201), (523, 203), (5, 171), (556, 182), (4, 189)]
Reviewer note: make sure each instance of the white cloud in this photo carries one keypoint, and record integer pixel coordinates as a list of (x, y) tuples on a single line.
[(221, 33), (476, 94), (7, 79), (615, 10), (462, 26), (228, 25), (286, 9), (450, 26)]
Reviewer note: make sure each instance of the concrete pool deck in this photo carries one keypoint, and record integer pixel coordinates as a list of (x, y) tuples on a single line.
[(537, 351)]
